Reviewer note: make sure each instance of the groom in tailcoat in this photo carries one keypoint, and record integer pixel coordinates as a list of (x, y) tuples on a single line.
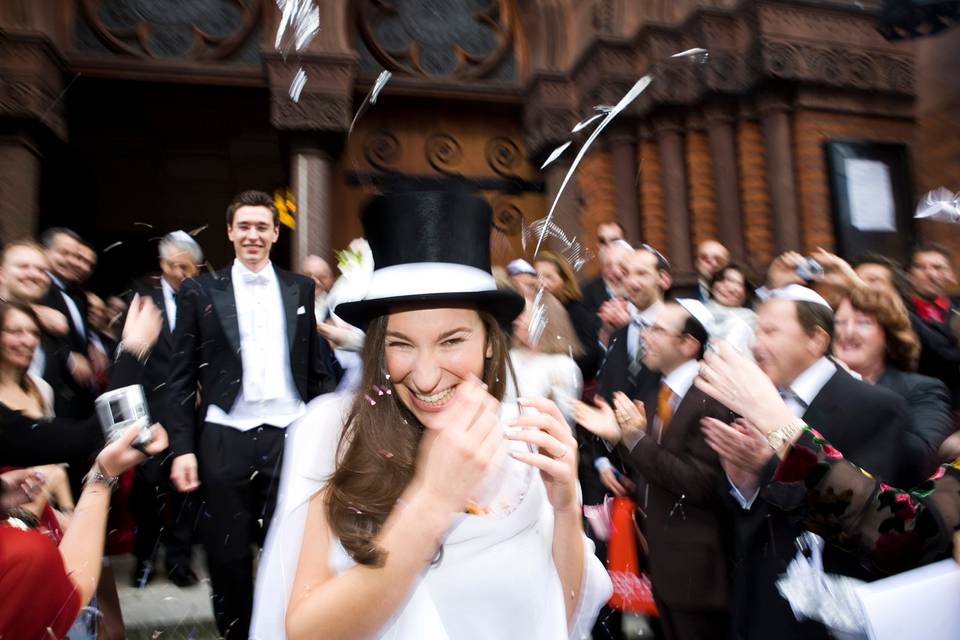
[(246, 341)]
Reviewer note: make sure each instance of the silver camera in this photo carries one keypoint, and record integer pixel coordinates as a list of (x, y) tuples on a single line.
[(119, 409)]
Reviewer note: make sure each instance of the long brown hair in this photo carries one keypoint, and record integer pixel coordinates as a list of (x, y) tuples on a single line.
[(6, 308), (377, 452), (570, 290), (902, 344)]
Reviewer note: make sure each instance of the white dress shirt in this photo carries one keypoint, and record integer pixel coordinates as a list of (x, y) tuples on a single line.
[(802, 392), (268, 395), (646, 317), (169, 303)]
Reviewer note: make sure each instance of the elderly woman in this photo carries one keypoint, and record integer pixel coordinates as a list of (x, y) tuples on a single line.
[(873, 337)]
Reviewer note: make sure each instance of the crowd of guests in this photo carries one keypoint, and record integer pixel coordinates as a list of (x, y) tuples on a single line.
[(865, 352)]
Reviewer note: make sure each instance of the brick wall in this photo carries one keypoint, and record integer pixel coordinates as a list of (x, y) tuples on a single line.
[(811, 130), (703, 202), (653, 227), (754, 196)]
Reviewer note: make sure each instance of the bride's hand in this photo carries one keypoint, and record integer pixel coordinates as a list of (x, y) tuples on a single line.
[(556, 455), (452, 465), (740, 385)]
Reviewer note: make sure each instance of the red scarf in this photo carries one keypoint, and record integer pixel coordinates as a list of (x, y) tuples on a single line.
[(932, 311)]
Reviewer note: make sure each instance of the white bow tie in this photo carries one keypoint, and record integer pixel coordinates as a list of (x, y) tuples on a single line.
[(255, 279)]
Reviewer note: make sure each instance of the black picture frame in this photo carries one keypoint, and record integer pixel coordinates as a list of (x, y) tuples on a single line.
[(852, 241)]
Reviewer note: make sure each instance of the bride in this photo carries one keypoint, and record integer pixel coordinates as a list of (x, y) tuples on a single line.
[(422, 507)]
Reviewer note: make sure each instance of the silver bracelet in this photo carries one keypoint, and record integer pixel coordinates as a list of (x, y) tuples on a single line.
[(97, 476)]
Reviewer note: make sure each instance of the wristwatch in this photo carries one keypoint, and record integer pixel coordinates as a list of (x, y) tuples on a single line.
[(785, 434), (97, 476)]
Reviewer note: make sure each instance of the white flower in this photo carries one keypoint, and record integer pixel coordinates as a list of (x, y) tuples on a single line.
[(356, 266)]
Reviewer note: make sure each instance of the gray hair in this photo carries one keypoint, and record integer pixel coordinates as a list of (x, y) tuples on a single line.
[(181, 242)]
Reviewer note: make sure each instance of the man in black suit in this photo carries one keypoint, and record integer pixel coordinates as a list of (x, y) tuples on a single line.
[(248, 335), (866, 422), (930, 275), (68, 367), (612, 250), (161, 513), (664, 451)]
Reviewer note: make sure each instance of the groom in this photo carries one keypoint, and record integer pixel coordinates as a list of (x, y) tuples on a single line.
[(246, 342)]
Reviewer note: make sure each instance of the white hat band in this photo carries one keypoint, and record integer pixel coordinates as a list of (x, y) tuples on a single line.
[(427, 278)]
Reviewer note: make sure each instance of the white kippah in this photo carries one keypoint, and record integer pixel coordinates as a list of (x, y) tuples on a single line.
[(699, 311), (798, 293), (518, 266)]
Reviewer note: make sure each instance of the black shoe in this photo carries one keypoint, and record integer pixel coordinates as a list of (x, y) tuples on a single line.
[(183, 576), (143, 573)]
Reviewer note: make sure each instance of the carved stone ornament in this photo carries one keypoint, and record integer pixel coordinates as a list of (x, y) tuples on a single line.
[(186, 29), (507, 217), (504, 156), (382, 150), (456, 39), (443, 152)]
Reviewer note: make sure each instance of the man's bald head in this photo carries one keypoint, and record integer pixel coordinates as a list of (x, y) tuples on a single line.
[(318, 269), (711, 257)]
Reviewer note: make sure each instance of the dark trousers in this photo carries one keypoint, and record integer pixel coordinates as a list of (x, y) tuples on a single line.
[(162, 514), (691, 624), (239, 478)]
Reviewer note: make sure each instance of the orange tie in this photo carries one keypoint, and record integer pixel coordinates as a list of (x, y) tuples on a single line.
[(664, 410)]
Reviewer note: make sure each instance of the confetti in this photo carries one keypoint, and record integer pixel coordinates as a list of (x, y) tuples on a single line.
[(556, 153), (941, 205), (639, 87), (299, 81), (690, 53), (583, 124), (371, 98)]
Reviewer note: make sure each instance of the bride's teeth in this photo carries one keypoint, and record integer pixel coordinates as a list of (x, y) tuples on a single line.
[(435, 398)]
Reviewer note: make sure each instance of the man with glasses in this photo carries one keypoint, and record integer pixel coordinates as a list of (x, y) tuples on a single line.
[(660, 443)]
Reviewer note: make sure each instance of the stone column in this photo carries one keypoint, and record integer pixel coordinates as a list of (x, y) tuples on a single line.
[(623, 153), (673, 171), (310, 177), (19, 188), (775, 120), (702, 197), (726, 179)]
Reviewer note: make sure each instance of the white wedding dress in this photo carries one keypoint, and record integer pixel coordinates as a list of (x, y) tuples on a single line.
[(496, 580)]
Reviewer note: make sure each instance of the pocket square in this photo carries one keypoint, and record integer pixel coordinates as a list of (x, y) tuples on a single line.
[(301, 311)]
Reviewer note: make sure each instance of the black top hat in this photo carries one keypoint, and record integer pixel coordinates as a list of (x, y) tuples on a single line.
[(430, 248)]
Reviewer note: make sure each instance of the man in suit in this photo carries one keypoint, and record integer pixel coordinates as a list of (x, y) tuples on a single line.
[(662, 447), (612, 250), (68, 368), (161, 513), (248, 335), (930, 275), (866, 422)]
